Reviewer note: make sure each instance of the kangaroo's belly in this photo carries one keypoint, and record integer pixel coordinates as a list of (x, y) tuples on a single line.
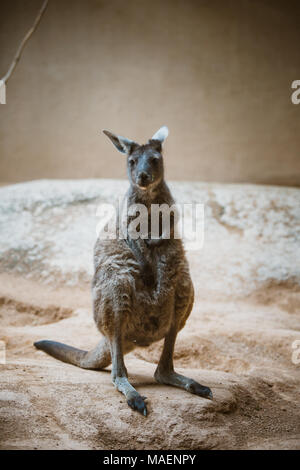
[(145, 324)]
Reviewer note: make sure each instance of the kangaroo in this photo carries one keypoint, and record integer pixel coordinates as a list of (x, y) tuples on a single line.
[(142, 290)]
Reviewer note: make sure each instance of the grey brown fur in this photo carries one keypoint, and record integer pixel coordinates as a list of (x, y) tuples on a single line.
[(142, 290)]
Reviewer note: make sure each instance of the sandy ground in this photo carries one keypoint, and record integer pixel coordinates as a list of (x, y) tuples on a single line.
[(242, 350), (239, 345)]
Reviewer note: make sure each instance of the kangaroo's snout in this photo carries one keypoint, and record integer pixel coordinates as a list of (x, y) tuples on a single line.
[(143, 179)]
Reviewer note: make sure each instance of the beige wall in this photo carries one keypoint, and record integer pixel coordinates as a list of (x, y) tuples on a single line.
[(217, 72)]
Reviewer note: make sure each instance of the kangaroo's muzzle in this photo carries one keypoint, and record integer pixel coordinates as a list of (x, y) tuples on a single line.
[(143, 180)]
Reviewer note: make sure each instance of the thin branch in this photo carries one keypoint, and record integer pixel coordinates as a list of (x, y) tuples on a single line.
[(23, 43)]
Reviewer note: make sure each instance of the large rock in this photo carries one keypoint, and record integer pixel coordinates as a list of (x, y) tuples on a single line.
[(252, 233), (238, 340)]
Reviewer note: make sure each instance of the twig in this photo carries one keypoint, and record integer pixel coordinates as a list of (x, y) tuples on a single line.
[(22, 45)]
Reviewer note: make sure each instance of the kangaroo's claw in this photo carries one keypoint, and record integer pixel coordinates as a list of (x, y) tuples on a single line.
[(137, 403), (200, 390)]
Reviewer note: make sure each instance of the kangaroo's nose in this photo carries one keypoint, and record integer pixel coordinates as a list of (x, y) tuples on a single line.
[(143, 178)]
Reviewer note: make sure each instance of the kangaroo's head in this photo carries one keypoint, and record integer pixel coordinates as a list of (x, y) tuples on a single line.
[(144, 162)]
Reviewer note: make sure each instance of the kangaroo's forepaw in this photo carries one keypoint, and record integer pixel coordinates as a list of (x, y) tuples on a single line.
[(137, 403), (200, 390)]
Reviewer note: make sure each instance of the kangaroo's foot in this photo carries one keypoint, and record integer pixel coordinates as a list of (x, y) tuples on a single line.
[(180, 381), (165, 373), (134, 399)]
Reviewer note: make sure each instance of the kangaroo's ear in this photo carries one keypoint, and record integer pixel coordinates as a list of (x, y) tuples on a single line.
[(121, 143), (161, 134)]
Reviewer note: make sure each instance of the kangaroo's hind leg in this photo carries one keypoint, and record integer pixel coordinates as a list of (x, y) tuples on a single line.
[(165, 373), (119, 372)]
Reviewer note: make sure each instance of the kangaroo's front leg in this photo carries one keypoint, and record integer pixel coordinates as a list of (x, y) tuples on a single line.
[(165, 373), (119, 375)]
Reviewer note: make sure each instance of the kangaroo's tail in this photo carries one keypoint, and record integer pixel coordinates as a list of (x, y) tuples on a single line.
[(97, 358)]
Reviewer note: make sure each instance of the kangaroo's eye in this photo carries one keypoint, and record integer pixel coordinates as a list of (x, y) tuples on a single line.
[(154, 160), (131, 162)]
